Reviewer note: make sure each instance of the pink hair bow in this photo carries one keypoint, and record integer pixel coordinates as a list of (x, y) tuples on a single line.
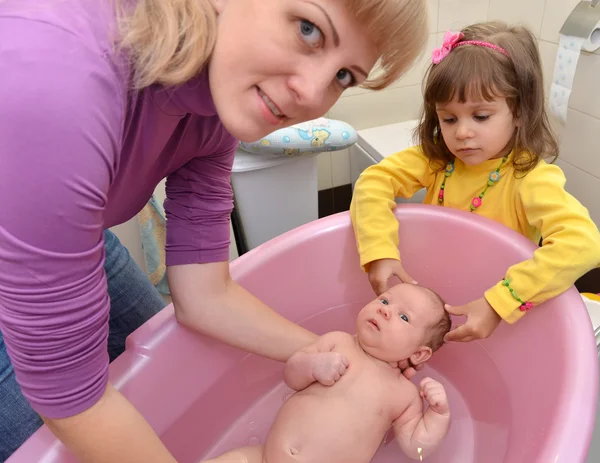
[(450, 40)]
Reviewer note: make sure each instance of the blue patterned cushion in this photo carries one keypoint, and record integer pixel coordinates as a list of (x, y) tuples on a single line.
[(310, 137)]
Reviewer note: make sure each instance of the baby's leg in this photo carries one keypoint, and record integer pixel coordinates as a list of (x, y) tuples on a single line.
[(242, 455)]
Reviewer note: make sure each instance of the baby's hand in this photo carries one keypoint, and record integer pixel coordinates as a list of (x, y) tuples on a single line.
[(435, 395), (328, 367)]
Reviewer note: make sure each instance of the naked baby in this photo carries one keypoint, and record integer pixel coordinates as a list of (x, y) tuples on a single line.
[(351, 391)]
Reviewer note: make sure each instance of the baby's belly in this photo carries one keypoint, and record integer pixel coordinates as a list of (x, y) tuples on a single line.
[(318, 429)]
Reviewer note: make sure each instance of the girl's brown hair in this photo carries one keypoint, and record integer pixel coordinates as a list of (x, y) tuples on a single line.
[(480, 73), (170, 41)]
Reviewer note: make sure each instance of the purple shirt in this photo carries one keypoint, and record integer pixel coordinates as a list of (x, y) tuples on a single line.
[(80, 153)]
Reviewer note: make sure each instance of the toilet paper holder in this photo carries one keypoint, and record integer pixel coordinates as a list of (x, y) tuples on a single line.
[(584, 22)]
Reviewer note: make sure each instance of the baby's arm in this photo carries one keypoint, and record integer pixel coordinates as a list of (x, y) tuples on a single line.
[(316, 362), (416, 430)]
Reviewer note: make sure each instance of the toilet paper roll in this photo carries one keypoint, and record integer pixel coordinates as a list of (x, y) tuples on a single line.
[(567, 57)]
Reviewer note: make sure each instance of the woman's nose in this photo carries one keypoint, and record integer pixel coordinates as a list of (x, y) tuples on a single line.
[(310, 86)]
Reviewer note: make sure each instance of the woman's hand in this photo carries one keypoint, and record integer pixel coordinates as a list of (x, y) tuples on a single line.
[(408, 370), (380, 271), (482, 320)]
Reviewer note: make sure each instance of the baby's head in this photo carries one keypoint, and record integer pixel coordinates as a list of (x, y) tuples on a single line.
[(486, 96), (406, 322)]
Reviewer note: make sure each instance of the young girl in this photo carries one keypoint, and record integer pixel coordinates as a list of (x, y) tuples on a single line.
[(484, 136)]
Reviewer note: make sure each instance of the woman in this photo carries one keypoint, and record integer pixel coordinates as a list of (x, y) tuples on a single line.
[(100, 101)]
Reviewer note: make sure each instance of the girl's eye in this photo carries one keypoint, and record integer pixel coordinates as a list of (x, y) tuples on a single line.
[(404, 317), (481, 118), (310, 33), (384, 301), (345, 78), (448, 120)]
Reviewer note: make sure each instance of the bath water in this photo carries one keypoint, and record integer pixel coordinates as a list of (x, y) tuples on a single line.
[(479, 402)]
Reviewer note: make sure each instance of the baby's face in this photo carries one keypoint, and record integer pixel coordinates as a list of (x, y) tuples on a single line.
[(395, 325)]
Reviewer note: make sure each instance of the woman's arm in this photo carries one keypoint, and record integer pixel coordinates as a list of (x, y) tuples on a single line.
[(112, 430), (60, 125), (207, 300)]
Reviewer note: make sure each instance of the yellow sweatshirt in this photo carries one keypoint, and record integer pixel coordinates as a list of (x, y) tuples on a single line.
[(534, 205)]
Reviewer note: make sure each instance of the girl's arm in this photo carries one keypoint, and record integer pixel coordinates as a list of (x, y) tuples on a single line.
[(373, 202), (570, 246)]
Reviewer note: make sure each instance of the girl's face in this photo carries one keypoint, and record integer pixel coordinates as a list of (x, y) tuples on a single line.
[(475, 131), (281, 62)]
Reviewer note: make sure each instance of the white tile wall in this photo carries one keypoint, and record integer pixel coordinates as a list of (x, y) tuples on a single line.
[(583, 186), (527, 12), (456, 14), (580, 143), (433, 7), (580, 140), (555, 14), (378, 108), (585, 96), (548, 52)]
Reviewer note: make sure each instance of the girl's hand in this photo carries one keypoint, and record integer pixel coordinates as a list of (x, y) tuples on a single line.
[(482, 320), (382, 270)]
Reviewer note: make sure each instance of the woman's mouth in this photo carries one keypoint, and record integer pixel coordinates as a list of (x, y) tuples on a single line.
[(272, 107)]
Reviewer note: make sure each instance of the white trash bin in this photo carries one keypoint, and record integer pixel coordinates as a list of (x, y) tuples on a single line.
[(274, 194), (275, 178)]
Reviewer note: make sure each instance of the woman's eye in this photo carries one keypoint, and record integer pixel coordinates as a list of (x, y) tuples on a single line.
[(384, 301), (310, 33), (404, 317), (345, 78)]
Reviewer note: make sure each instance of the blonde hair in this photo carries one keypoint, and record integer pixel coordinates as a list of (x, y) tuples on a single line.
[(483, 74), (170, 41), (399, 31)]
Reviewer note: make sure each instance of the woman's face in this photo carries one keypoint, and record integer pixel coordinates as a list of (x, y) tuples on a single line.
[(281, 62)]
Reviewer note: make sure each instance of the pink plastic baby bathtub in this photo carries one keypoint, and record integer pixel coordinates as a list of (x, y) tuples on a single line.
[(525, 395)]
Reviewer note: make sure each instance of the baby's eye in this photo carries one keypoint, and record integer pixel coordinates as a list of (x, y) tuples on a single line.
[(384, 301), (404, 317)]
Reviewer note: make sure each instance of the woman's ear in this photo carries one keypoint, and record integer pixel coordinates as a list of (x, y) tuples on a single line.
[(422, 354)]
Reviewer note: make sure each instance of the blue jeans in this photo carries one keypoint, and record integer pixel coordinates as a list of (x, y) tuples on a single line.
[(133, 301)]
